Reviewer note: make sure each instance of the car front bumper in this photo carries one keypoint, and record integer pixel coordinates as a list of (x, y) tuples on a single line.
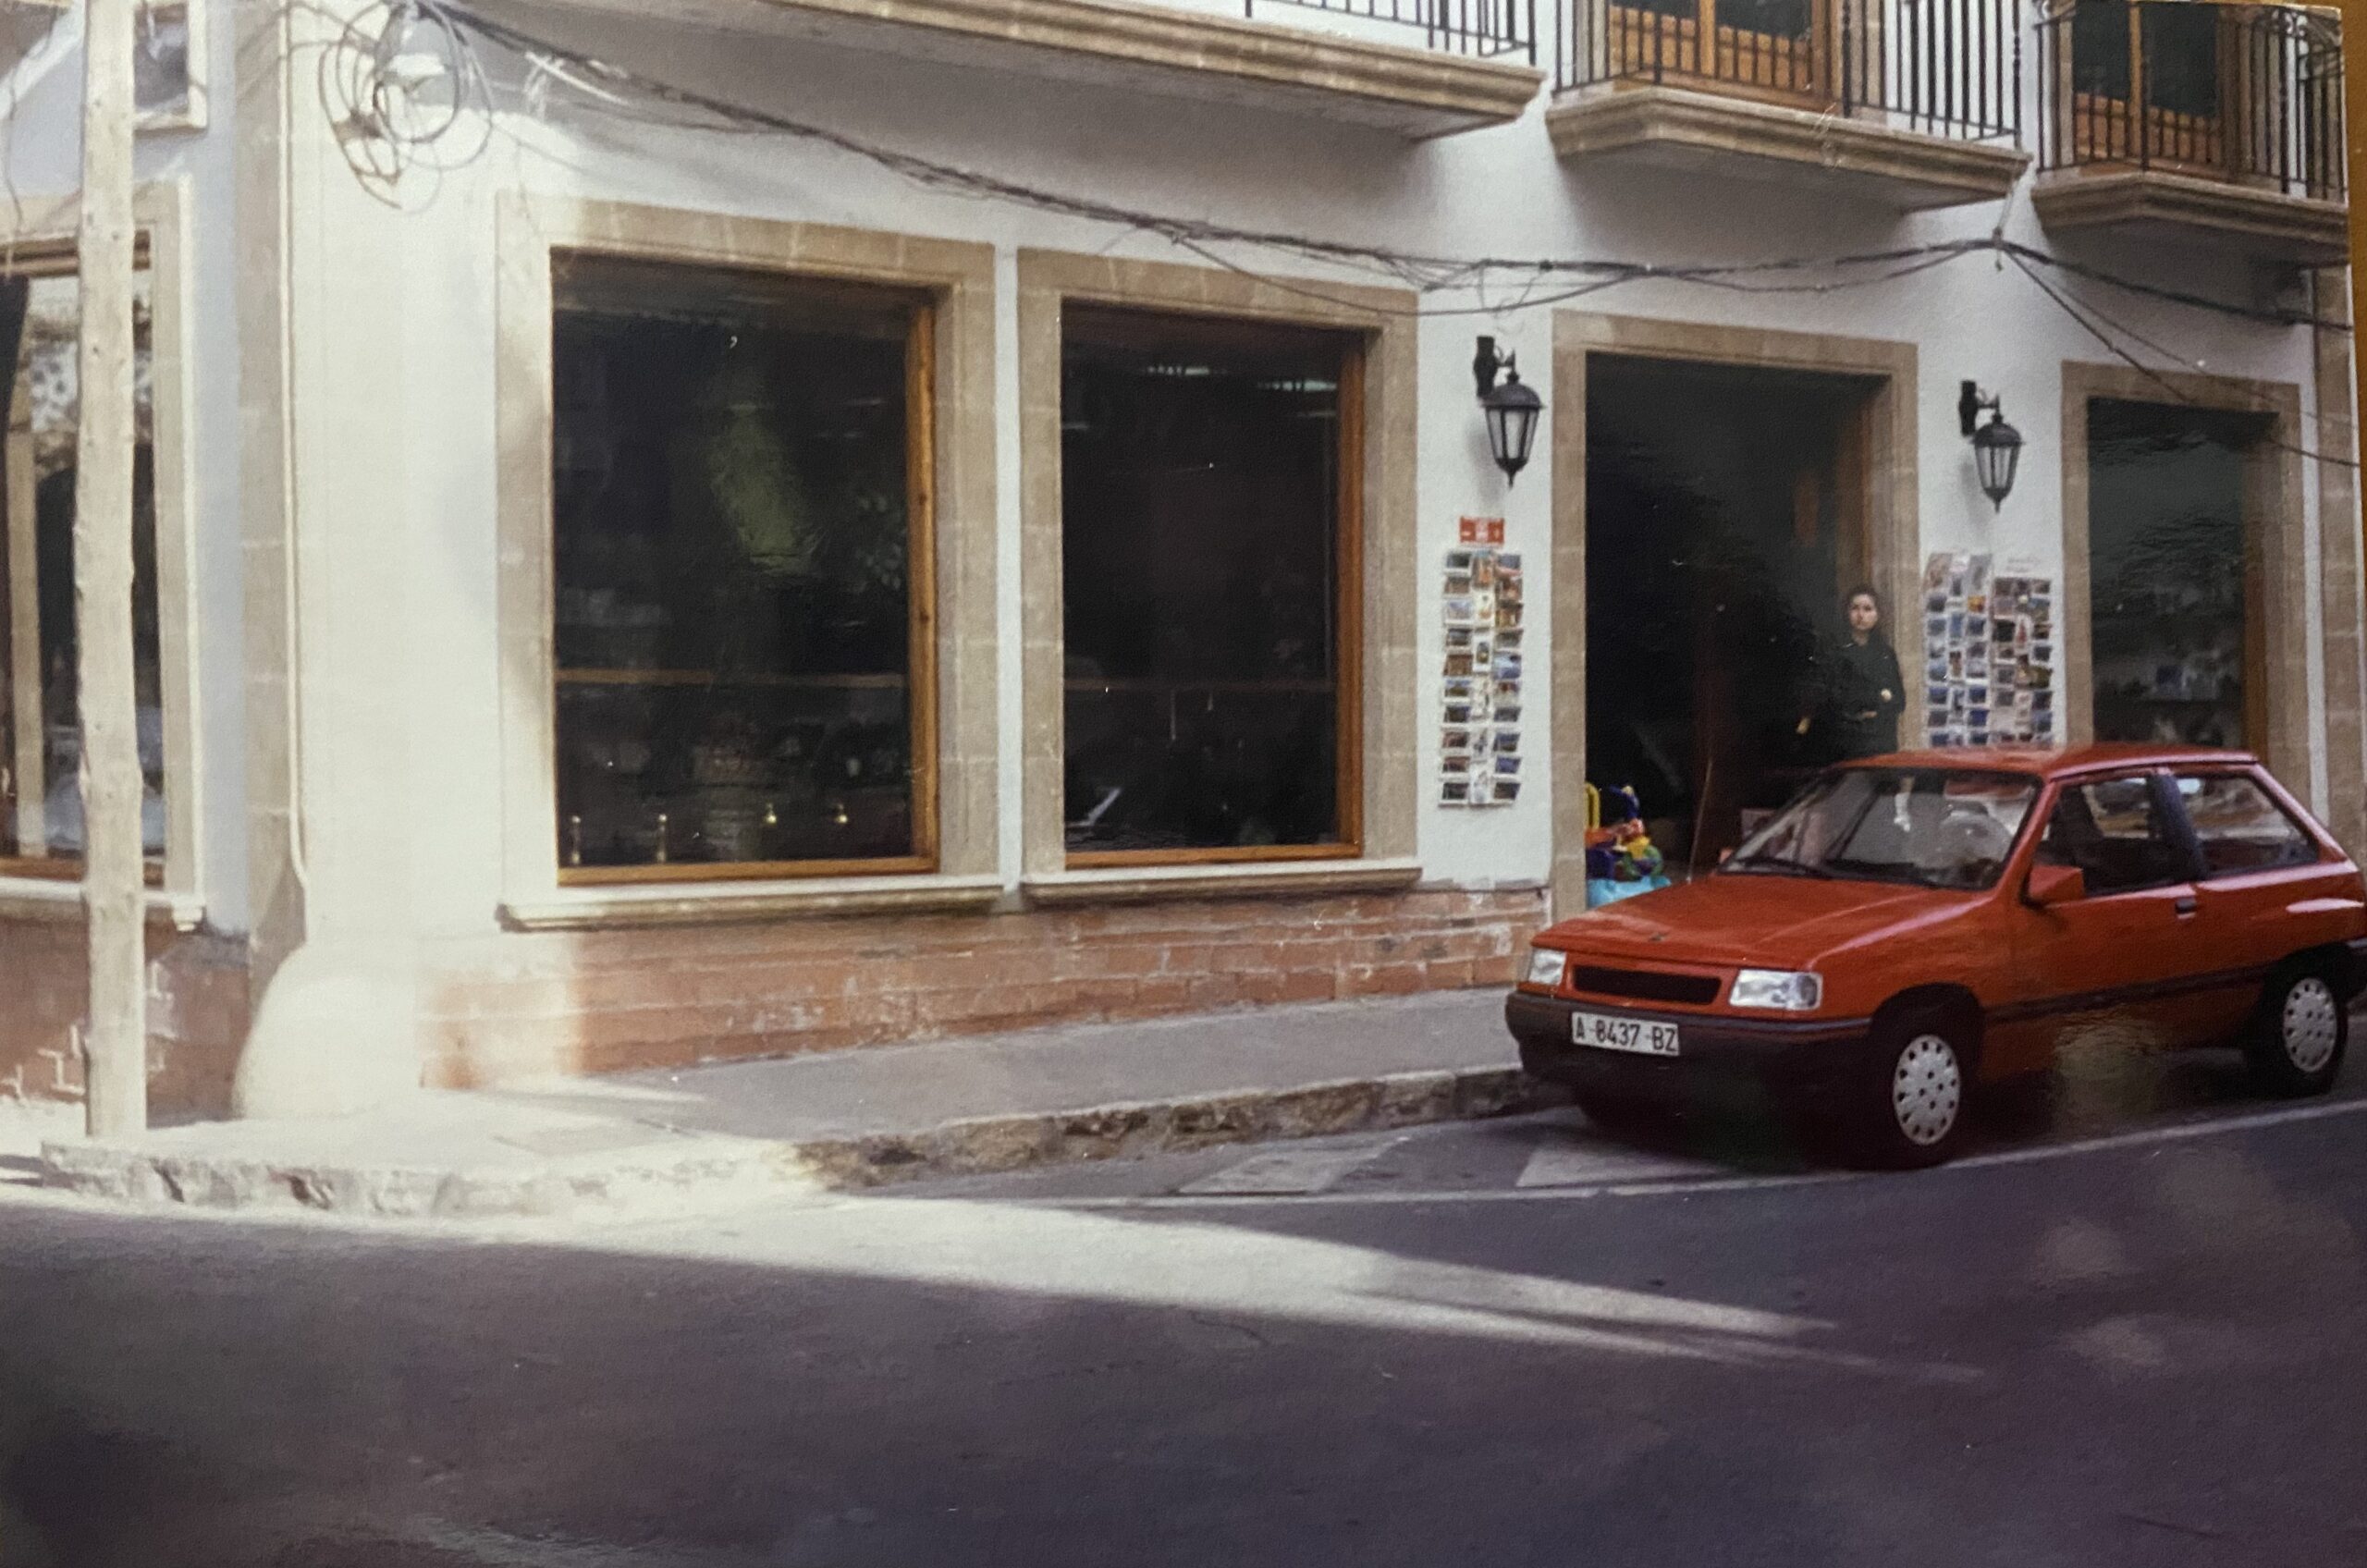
[(1786, 1058)]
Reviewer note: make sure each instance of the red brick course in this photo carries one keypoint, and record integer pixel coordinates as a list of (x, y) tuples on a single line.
[(603, 1001), (612, 1001), (197, 1015)]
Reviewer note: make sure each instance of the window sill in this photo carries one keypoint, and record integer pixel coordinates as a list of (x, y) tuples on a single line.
[(1245, 879), (47, 898), (590, 908)]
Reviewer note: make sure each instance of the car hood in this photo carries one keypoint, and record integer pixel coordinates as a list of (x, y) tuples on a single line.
[(1765, 920)]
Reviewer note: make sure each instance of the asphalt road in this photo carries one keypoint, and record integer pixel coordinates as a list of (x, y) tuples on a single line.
[(2129, 1330)]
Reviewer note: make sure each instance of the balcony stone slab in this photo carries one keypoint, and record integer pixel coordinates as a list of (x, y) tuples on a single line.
[(2149, 204), (1414, 93), (1704, 131)]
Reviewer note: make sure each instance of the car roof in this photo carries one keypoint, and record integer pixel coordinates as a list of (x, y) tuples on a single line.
[(2055, 762)]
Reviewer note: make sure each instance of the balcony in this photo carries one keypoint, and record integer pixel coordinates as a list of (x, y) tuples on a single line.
[(2223, 124), (1910, 104), (1417, 69)]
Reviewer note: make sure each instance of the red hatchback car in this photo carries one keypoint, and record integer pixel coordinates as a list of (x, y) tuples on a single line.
[(1913, 925)]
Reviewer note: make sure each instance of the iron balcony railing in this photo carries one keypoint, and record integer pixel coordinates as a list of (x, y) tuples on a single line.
[(2250, 94), (1487, 29), (1942, 68)]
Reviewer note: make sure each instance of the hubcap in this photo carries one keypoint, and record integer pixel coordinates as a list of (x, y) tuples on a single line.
[(2309, 1023), (1927, 1089)]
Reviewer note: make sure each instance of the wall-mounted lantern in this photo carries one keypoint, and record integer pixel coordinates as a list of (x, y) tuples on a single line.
[(1996, 447), (1512, 408)]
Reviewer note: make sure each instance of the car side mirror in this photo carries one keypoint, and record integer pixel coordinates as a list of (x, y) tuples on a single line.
[(2052, 885)]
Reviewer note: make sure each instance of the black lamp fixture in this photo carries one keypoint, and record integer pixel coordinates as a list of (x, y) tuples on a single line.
[(1512, 408), (1996, 447)]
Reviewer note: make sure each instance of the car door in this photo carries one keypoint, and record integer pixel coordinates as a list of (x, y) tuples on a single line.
[(2110, 965), (2261, 870)]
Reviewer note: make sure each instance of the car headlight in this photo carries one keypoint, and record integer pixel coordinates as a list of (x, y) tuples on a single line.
[(1779, 988), (1545, 965)]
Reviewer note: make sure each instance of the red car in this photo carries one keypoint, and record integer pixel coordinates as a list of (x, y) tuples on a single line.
[(1914, 925)]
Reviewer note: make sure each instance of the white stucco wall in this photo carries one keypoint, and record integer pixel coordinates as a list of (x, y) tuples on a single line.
[(413, 378)]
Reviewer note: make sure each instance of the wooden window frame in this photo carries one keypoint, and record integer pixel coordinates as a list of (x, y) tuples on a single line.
[(920, 610), (2277, 652), (1348, 659), (955, 605), (1633, 30), (44, 247), (1384, 673)]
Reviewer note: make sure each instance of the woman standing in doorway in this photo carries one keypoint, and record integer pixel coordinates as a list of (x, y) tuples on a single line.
[(1863, 693)]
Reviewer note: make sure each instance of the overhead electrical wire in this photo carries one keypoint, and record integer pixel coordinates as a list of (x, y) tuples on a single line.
[(619, 90), (2089, 319)]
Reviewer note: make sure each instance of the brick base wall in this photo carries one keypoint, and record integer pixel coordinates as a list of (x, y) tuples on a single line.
[(612, 1001), (197, 1015)]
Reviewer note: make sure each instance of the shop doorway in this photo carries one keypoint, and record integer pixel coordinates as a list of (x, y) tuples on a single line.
[(2176, 581), (1726, 511)]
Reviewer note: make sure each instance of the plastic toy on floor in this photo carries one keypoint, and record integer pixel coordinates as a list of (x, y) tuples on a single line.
[(1621, 858)]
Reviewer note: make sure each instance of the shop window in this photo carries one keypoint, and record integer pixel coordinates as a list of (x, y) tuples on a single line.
[(1210, 592), (741, 547), (2175, 607), (40, 799)]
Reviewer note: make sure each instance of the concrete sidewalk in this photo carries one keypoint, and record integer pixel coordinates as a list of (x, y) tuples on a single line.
[(694, 1137)]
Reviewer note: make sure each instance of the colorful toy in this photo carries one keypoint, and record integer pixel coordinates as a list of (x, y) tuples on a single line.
[(1622, 861)]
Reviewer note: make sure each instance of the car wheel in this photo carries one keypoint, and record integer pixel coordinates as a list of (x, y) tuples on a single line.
[(2300, 1035), (1913, 1106)]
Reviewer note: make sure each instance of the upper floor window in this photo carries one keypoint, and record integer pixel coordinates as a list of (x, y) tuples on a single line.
[(740, 551), (40, 799)]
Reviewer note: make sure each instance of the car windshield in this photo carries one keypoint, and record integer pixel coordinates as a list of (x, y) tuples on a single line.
[(1934, 828)]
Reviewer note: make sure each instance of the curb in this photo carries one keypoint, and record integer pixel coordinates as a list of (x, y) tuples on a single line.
[(676, 1170)]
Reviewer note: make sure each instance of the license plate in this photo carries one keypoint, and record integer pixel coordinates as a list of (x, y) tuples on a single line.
[(1606, 1033)]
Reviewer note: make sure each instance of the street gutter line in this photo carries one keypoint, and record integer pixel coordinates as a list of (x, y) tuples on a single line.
[(2177, 1132)]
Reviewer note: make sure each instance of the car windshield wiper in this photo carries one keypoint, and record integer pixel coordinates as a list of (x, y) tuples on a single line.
[(1880, 871), (1778, 864)]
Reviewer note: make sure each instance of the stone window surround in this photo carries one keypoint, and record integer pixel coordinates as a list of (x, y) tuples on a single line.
[(2272, 492), (1388, 679), (46, 234), (961, 277), (1893, 528)]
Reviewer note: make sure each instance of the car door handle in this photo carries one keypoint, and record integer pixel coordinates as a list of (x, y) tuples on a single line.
[(2185, 906)]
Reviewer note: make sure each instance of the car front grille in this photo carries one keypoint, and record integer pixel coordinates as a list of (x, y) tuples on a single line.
[(1643, 985)]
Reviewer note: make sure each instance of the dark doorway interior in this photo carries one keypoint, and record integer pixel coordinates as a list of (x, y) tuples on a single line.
[(1724, 519), (2174, 629)]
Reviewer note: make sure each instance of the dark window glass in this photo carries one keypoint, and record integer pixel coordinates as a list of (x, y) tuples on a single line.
[(2170, 571), (2100, 46), (40, 795), (733, 548), (1777, 18), (1200, 517), (2180, 49), (2239, 828), (2113, 832)]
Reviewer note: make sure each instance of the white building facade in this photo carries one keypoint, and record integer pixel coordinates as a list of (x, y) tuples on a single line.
[(776, 525)]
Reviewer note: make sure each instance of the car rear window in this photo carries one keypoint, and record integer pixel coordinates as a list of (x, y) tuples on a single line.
[(2240, 826)]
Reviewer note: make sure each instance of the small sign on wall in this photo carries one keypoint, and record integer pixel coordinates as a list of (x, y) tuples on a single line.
[(1482, 604)]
